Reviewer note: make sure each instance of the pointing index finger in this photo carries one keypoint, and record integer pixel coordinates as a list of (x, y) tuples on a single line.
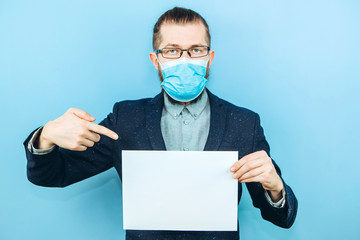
[(102, 130)]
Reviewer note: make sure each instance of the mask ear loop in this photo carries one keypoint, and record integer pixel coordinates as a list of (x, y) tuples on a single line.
[(157, 59), (208, 57)]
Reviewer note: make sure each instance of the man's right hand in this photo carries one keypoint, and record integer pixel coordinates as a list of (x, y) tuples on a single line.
[(74, 130)]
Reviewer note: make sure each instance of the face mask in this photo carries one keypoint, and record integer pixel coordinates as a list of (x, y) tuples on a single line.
[(184, 78)]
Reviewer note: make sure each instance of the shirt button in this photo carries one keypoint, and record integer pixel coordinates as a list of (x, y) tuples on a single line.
[(185, 149), (175, 114), (195, 115), (186, 122)]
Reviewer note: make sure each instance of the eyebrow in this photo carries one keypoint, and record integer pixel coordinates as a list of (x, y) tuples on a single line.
[(178, 46)]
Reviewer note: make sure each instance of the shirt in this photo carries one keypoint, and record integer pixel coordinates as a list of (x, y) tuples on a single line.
[(186, 127)]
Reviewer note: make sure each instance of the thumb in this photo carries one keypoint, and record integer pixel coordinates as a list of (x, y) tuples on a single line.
[(81, 114)]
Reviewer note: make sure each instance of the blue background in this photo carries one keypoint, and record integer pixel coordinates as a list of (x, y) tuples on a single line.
[(296, 63)]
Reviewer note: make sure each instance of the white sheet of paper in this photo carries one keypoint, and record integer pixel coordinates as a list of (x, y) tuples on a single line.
[(179, 190)]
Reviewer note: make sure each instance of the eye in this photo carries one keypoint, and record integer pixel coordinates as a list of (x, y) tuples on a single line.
[(197, 50), (171, 51)]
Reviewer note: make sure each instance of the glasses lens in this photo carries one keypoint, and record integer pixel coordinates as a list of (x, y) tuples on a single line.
[(171, 52), (198, 51)]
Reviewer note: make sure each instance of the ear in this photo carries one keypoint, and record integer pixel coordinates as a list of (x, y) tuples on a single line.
[(211, 57), (154, 60)]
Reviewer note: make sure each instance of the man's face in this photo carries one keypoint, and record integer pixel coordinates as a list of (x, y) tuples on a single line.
[(182, 36)]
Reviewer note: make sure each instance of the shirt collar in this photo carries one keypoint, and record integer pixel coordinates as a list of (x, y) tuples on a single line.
[(195, 109)]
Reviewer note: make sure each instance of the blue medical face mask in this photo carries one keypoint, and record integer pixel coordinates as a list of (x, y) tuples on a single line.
[(184, 78)]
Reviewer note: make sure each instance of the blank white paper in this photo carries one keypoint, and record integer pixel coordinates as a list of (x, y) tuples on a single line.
[(179, 190)]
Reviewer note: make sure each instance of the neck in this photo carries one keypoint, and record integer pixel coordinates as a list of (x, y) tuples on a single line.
[(182, 103), (185, 103)]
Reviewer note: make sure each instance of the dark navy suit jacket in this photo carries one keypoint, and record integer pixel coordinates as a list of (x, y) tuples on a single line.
[(138, 125)]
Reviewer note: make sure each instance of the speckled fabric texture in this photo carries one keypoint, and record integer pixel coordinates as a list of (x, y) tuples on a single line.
[(137, 123)]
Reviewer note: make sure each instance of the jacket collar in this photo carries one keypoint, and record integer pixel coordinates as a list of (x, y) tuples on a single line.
[(153, 113), (217, 123), (153, 119)]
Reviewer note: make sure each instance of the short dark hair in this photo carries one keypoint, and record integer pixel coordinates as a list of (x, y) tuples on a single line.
[(180, 16)]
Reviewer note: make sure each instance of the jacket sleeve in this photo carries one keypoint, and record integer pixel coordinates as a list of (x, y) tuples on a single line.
[(284, 216), (62, 167)]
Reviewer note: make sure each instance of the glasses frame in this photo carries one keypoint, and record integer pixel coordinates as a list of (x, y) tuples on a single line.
[(181, 53)]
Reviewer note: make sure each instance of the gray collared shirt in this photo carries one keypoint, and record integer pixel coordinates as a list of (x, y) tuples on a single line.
[(186, 128)]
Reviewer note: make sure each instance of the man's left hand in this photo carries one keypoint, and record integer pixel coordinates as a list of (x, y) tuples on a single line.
[(258, 167)]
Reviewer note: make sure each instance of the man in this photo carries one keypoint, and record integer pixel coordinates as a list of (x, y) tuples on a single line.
[(184, 116)]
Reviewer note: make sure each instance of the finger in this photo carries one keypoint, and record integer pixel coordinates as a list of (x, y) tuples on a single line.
[(87, 143), (257, 178), (236, 166), (248, 166), (82, 114), (79, 148), (93, 137), (253, 173), (102, 130)]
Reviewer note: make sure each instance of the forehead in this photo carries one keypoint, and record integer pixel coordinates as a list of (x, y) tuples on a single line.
[(184, 35)]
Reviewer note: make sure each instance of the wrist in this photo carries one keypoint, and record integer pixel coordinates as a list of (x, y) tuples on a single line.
[(43, 140), (277, 193)]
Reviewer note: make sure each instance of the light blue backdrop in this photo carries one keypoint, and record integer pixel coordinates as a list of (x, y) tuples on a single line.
[(296, 63)]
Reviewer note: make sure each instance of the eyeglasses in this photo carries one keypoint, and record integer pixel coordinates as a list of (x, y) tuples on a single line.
[(194, 52)]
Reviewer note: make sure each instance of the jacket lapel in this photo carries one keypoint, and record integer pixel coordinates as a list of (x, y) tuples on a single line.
[(153, 118), (217, 123)]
